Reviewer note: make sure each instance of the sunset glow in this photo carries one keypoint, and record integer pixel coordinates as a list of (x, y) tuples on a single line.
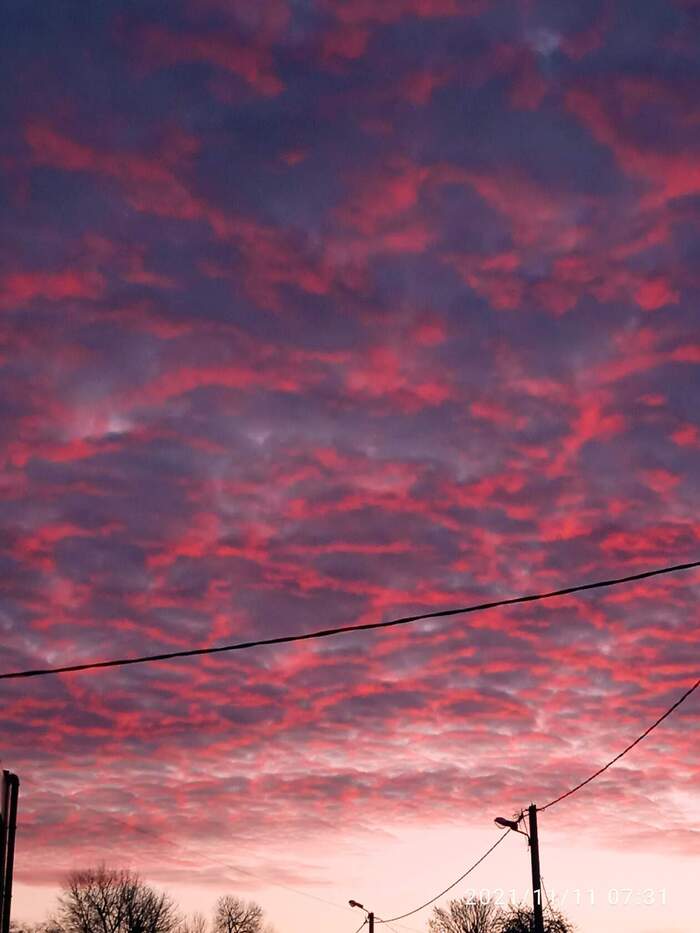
[(323, 312)]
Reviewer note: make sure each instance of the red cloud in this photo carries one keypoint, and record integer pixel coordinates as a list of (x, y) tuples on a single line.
[(237, 376), (384, 198), (580, 44), (592, 422), (661, 481), (391, 11), (429, 332), (528, 86), (267, 21), (671, 175), (655, 293), (150, 183), (345, 42), (661, 538), (545, 230), (686, 436), (20, 288), (492, 276), (538, 217), (418, 87), (497, 413), (161, 47), (386, 374), (367, 451), (270, 258)]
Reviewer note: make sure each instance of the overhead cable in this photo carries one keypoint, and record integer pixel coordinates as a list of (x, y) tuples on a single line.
[(625, 750), (449, 887), (344, 629)]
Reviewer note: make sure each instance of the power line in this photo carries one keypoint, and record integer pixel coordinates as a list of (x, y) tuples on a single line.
[(551, 803), (624, 751), (159, 836), (557, 800), (385, 921), (343, 629), (454, 883), (154, 834), (378, 625), (549, 903), (401, 926)]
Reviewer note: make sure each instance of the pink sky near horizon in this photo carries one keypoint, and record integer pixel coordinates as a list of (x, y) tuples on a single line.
[(323, 312)]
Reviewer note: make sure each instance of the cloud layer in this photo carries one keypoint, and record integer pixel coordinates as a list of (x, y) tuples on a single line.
[(314, 313)]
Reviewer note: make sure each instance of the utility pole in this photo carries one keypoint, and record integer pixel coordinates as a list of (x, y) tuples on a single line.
[(370, 917), (9, 793), (535, 860)]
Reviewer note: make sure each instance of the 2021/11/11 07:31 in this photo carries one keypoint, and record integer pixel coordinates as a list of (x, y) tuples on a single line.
[(615, 897)]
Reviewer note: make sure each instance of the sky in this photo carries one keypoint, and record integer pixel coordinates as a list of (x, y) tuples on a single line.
[(316, 313)]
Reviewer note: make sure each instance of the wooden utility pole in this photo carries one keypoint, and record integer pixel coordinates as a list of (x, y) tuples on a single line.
[(535, 860), (9, 793), (370, 917)]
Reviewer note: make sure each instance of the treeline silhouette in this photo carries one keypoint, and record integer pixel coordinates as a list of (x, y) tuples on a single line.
[(104, 900), (466, 915)]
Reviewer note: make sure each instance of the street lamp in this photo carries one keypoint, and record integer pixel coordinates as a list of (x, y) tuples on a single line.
[(512, 825), (370, 915), (534, 845), (509, 824)]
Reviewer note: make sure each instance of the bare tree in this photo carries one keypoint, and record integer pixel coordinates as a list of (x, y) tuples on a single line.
[(197, 923), (100, 900), (232, 915), (520, 919), (464, 915)]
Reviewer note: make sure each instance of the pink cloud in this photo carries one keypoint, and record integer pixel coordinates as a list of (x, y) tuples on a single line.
[(670, 175), (656, 293), (364, 11), (247, 396), (588, 40), (20, 288), (385, 197), (160, 47), (686, 435)]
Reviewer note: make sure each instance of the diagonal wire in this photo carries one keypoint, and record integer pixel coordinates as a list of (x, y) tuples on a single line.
[(454, 883), (401, 926), (549, 903), (385, 921), (625, 750), (343, 629)]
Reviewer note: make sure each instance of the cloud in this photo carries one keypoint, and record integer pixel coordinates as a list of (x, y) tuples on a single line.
[(162, 47), (323, 314)]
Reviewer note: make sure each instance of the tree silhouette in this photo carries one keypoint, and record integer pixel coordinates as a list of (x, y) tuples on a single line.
[(520, 919), (100, 900), (464, 915), (197, 923), (232, 915)]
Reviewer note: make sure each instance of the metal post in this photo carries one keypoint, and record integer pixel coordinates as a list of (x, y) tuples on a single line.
[(4, 801), (370, 917), (535, 859), (9, 829)]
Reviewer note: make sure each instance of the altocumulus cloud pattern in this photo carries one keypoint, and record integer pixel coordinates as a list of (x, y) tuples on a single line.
[(318, 313)]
